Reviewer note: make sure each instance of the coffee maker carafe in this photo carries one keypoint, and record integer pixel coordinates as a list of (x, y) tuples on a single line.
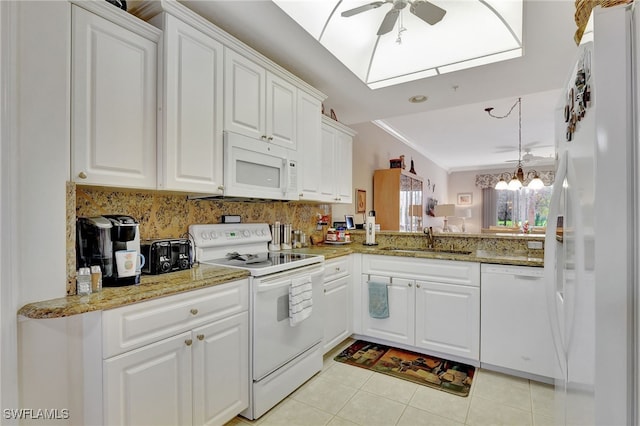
[(104, 241)]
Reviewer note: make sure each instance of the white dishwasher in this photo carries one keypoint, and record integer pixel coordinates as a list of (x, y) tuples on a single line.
[(514, 323)]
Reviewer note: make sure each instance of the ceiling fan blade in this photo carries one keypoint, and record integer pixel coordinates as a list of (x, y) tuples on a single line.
[(389, 21), (428, 12), (360, 9)]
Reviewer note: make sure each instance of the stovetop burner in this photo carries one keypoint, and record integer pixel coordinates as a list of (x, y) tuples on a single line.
[(260, 260), (245, 246)]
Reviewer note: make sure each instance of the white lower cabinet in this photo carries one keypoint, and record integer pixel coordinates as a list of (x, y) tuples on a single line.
[(195, 376), (220, 370), (400, 325), (433, 304), (447, 318), (179, 380), (337, 302), (174, 360), (150, 385), (516, 333)]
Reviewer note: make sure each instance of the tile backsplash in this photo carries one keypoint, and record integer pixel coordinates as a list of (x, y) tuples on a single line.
[(168, 215)]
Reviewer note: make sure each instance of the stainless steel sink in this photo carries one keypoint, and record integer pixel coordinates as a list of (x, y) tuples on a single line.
[(428, 250)]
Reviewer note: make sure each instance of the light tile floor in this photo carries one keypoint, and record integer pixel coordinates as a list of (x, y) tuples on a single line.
[(345, 395)]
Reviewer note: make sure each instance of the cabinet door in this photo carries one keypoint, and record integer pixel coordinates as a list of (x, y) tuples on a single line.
[(191, 155), (280, 112), (309, 146), (221, 370), (343, 163), (150, 385), (337, 321), (327, 165), (244, 92), (448, 319), (113, 105), (515, 325), (399, 326)]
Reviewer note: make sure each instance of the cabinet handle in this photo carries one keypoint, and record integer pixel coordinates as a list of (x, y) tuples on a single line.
[(325, 290), (410, 285), (270, 138), (82, 175), (337, 269), (188, 342), (200, 336), (301, 195), (263, 137), (417, 285), (194, 311), (221, 188)]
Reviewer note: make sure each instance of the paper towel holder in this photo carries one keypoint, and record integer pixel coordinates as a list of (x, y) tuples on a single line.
[(370, 229)]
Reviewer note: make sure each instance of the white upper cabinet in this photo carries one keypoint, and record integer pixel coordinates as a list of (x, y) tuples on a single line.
[(190, 154), (309, 146), (335, 163), (258, 103), (113, 103)]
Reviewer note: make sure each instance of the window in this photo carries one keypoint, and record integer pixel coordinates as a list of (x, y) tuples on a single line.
[(513, 208)]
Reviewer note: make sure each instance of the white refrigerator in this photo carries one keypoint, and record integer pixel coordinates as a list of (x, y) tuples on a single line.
[(591, 247)]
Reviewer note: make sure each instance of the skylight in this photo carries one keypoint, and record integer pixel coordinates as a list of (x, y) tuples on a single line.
[(471, 33)]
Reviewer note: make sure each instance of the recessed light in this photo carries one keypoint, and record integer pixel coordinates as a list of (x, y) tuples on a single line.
[(417, 99)]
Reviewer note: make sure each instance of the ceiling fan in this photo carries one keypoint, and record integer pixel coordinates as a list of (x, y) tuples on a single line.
[(428, 12), (528, 157)]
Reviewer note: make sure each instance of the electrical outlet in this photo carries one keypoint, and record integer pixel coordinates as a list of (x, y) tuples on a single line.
[(534, 245)]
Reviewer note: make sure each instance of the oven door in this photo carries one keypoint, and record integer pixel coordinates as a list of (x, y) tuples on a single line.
[(275, 341), (258, 169)]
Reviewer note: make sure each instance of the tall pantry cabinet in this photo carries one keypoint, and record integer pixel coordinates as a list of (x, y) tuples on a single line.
[(397, 200)]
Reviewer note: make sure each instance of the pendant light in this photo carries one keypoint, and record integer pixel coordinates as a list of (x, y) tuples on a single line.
[(535, 183), (518, 176)]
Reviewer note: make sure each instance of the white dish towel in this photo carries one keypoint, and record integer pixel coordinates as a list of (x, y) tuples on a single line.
[(300, 300)]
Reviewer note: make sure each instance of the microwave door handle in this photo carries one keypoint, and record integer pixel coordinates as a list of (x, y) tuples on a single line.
[(285, 169)]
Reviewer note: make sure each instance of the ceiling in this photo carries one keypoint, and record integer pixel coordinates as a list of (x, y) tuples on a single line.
[(451, 128)]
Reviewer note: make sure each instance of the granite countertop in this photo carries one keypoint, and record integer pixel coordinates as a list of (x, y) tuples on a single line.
[(482, 256), (151, 286), (201, 276)]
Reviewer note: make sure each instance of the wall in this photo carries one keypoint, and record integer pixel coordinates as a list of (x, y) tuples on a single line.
[(167, 215), (465, 182), (372, 150)]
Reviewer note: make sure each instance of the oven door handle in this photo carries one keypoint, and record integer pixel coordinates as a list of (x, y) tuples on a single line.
[(266, 285)]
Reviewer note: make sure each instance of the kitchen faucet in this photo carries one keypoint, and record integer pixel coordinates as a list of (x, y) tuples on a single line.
[(429, 232)]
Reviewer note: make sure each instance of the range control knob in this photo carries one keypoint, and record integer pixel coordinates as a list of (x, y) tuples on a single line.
[(246, 233), (213, 235)]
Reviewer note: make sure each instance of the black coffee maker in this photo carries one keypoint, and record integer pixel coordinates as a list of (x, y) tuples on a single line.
[(99, 238)]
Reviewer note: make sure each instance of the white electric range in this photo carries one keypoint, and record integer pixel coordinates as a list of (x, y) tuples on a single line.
[(282, 356)]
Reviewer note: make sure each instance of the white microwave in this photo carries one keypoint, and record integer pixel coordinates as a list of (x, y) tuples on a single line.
[(254, 168)]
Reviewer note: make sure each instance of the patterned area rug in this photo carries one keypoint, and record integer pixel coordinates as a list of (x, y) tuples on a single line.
[(448, 376)]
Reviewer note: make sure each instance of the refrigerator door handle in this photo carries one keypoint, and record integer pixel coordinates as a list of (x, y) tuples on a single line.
[(550, 262)]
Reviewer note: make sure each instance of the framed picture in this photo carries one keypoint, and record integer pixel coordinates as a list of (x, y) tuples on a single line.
[(361, 200), (465, 199), (431, 206)]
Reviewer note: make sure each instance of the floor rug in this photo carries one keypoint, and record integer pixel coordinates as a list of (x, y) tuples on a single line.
[(448, 376)]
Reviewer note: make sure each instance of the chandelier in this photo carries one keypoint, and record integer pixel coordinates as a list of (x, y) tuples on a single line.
[(517, 178)]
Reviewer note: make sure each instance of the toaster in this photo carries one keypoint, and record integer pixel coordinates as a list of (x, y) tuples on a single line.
[(166, 255)]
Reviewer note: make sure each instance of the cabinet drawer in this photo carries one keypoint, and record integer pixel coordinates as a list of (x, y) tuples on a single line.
[(436, 270), (336, 268), (133, 326)]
